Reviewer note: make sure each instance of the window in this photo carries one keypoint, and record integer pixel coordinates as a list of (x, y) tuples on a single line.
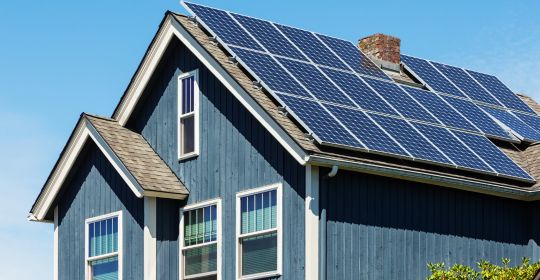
[(258, 233), (200, 235), (103, 247), (188, 115)]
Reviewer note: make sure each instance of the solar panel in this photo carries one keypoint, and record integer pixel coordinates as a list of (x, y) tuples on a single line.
[(451, 146), (430, 75), (400, 100), (410, 139), (269, 37), (353, 57), (366, 130), (320, 122), (317, 78), (493, 156), (515, 124), (358, 91), (436, 105), (315, 81), (532, 121), (500, 91), (224, 26), (479, 118), (469, 86), (269, 71), (312, 47)]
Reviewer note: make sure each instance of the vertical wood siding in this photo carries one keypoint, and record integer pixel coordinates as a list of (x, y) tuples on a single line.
[(94, 188), (383, 228), (236, 154)]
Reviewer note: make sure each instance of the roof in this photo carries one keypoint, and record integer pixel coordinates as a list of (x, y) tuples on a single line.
[(152, 173), (143, 170), (500, 185)]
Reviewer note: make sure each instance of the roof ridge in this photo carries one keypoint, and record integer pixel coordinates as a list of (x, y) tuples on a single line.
[(84, 114)]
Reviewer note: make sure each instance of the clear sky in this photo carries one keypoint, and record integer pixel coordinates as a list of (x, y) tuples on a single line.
[(60, 58)]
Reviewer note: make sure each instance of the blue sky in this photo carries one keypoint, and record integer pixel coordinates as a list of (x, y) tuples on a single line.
[(60, 58)]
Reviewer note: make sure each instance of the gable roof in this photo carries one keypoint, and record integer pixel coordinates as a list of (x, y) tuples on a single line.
[(133, 158)]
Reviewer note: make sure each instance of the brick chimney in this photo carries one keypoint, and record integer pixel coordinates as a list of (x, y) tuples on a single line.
[(385, 49)]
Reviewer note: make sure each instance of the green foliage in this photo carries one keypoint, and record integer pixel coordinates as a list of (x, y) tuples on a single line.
[(485, 271)]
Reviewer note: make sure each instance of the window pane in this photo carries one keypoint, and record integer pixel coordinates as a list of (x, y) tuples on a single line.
[(188, 134), (103, 237), (200, 225), (259, 254), (105, 269), (258, 212), (200, 260), (188, 93)]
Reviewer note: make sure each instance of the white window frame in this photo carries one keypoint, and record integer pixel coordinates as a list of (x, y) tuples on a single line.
[(181, 246), (195, 114), (278, 230), (119, 254)]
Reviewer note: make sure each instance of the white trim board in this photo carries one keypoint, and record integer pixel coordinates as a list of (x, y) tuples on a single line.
[(170, 28), (150, 243), (83, 132), (312, 222)]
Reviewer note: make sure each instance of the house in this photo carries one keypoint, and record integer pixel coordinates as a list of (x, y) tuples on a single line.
[(203, 173)]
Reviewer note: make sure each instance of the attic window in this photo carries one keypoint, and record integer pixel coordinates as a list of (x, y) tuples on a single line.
[(188, 115)]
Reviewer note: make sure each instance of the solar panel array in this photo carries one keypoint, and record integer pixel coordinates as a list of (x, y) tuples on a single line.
[(343, 99), (479, 90)]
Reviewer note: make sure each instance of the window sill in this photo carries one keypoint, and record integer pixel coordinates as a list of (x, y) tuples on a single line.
[(188, 156), (260, 275)]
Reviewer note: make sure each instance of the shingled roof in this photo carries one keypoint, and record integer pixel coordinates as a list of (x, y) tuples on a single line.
[(152, 173), (525, 159)]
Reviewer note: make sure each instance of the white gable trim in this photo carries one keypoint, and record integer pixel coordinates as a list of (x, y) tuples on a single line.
[(170, 28), (84, 131)]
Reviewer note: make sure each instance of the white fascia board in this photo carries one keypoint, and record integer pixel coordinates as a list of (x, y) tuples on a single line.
[(171, 28)]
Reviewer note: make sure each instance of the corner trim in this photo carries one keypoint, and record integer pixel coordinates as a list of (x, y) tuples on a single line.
[(150, 243), (55, 246), (312, 223)]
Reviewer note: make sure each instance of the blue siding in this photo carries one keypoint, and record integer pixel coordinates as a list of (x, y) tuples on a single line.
[(383, 228), (94, 188), (237, 153)]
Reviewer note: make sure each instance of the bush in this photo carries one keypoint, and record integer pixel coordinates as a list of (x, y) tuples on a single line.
[(485, 271)]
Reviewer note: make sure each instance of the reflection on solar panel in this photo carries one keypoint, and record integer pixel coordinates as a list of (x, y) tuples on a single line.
[(500, 91), (462, 80), (532, 121), (267, 69), (479, 118), (446, 114), (224, 27), (401, 100), (410, 139), (451, 146), (492, 155), (322, 124), (315, 82), (312, 47), (269, 37), (515, 124), (353, 57), (430, 75), (343, 107), (366, 130), (358, 91)]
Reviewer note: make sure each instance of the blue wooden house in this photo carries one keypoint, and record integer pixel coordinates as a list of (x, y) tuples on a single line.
[(245, 149)]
